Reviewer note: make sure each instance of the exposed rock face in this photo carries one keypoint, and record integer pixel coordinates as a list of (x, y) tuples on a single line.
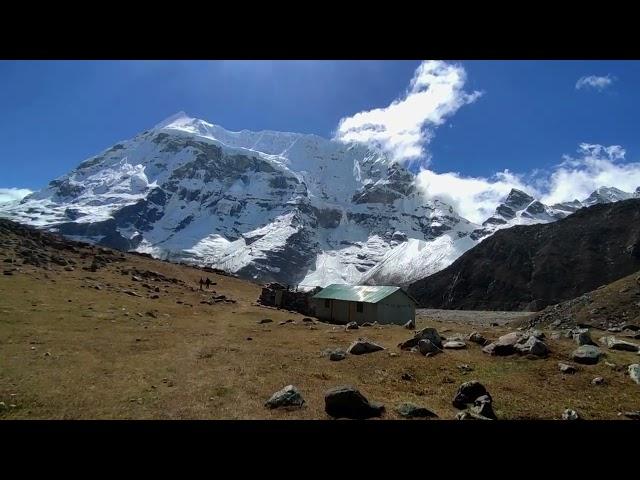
[(529, 267)]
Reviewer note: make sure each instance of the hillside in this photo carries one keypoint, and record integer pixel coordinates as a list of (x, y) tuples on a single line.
[(530, 267), (615, 305), (92, 333)]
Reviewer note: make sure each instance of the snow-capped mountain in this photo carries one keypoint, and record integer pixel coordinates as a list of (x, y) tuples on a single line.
[(294, 208), (520, 208), (289, 207)]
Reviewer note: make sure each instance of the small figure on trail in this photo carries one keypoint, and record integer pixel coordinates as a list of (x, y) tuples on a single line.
[(208, 283), (201, 283)]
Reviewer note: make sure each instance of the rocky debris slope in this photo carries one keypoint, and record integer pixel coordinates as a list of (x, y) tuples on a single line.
[(530, 267), (612, 306)]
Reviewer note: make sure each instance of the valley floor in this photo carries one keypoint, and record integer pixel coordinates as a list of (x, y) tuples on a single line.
[(75, 345)]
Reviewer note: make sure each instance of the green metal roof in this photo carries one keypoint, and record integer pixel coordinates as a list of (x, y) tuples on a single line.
[(356, 293)]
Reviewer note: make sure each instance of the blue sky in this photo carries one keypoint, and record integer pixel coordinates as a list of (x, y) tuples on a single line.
[(526, 115)]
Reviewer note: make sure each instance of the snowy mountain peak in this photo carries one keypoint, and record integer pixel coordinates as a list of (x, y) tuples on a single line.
[(175, 119)]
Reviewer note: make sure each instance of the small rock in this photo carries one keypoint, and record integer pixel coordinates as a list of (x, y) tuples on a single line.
[(352, 326), (348, 402), (569, 414), (265, 320), (597, 381), (407, 377), (427, 347), (249, 338), (476, 337), (465, 368), (632, 415), (393, 354), (360, 347), (634, 372), (410, 325), (566, 368), (586, 354), (289, 396), (307, 319), (468, 392), (583, 338), (337, 355), (482, 406), (411, 410), (614, 344), (454, 345)]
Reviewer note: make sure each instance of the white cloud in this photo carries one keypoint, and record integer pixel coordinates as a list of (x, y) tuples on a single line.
[(11, 194), (596, 166), (405, 127), (475, 198), (595, 82)]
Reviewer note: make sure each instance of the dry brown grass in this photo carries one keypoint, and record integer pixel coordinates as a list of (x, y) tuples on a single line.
[(104, 361)]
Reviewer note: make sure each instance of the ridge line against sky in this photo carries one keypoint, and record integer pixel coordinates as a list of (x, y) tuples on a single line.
[(425, 127)]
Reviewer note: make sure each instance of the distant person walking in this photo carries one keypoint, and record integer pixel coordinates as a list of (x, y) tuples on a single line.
[(201, 283), (208, 283)]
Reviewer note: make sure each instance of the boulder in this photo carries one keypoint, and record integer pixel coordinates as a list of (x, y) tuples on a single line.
[(569, 414), (467, 393), (536, 333), (427, 347), (566, 368), (505, 345), (347, 402), (586, 355), (352, 326), (533, 346), (411, 410), (634, 372), (289, 396), (428, 333), (360, 347), (454, 345)]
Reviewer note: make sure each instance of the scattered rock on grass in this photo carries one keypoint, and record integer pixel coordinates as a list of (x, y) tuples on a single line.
[(569, 414), (428, 348), (352, 326), (634, 372), (347, 402), (289, 396), (361, 346), (454, 345), (632, 415), (428, 333), (411, 410), (533, 346), (410, 325), (615, 344), (586, 354), (476, 337), (265, 320), (337, 355), (467, 393), (597, 381), (566, 368)]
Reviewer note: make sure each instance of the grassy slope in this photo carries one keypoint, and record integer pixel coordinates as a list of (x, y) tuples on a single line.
[(196, 362)]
